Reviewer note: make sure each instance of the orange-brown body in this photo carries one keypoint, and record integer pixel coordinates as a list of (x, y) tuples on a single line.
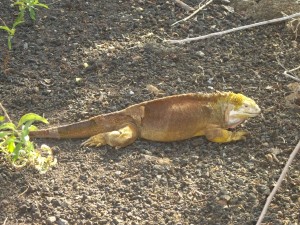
[(166, 119)]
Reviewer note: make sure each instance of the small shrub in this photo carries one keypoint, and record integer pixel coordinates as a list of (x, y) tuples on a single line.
[(23, 6), (18, 150)]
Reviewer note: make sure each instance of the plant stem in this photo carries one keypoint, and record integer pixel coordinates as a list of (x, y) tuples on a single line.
[(5, 113)]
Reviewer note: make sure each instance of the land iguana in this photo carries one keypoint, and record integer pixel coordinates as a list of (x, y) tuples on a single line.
[(165, 119)]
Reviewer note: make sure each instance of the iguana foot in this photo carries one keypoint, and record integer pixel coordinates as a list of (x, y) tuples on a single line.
[(96, 140), (117, 138), (222, 136)]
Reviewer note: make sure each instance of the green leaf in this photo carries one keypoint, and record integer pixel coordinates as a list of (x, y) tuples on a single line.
[(29, 146), (2, 118), (16, 23), (25, 130), (6, 28), (32, 13), (19, 19), (4, 134), (32, 128), (11, 144), (31, 117), (16, 151), (7, 126), (18, 3), (42, 5)]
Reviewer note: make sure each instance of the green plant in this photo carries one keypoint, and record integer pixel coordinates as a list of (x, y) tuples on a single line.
[(23, 6), (16, 147)]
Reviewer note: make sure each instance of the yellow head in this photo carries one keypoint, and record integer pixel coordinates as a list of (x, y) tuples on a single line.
[(242, 108)]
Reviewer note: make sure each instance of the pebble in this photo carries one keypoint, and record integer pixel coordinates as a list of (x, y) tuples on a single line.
[(160, 169), (225, 197), (24, 208), (55, 202), (51, 220), (61, 221), (263, 189), (83, 177), (25, 46), (117, 220), (36, 211), (118, 173)]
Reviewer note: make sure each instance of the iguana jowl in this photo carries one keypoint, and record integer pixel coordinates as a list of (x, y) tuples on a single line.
[(165, 119)]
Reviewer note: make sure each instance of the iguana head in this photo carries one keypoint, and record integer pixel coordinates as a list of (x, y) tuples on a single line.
[(241, 109)]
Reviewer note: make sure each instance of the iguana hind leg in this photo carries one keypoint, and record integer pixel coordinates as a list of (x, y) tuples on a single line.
[(117, 138), (222, 136)]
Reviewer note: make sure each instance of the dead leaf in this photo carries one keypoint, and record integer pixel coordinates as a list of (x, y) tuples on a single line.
[(154, 90), (293, 100)]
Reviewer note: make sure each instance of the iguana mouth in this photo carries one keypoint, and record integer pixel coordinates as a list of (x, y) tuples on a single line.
[(252, 114)]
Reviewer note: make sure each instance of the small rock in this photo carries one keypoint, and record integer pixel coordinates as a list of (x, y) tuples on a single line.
[(61, 221), (40, 41), (200, 53), (194, 158), (127, 180), (55, 202), (83, 177), (263, 189), (103, 221), (160, 169), (25, 45), (36, 89), (225, 197), (4, 202), (228, 8), (35, 211), (24, 208), (51, 220), (243, 5), (117, 220), (118, 173), (265, 144), (146, 152)]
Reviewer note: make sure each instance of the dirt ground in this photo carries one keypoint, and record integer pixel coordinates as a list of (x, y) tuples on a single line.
[(121, 43)]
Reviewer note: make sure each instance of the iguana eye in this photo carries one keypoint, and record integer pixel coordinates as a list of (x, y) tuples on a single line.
[(246, 105)]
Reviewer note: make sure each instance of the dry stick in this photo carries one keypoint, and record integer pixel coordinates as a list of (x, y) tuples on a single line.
[(183, 5), (232, 30), (5, 221), (194, 13), (286, 71), (278, 183), (5, 113)]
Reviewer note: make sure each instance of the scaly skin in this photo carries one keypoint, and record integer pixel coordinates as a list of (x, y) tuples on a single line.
[(166, 119)]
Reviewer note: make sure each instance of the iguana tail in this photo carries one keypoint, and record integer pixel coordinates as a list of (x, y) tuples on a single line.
[(87, 128)]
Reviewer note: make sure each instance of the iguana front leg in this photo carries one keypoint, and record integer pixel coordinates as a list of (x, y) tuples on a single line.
[(220, 135), (122, 137)]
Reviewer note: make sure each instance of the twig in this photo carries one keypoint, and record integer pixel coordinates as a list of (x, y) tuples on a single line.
[(232, 30), (286, 72), (184, 6), (5, 113), (292, 70), (278, 183), (24, 192), (194, 13), (5, 221), (3, 21)]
